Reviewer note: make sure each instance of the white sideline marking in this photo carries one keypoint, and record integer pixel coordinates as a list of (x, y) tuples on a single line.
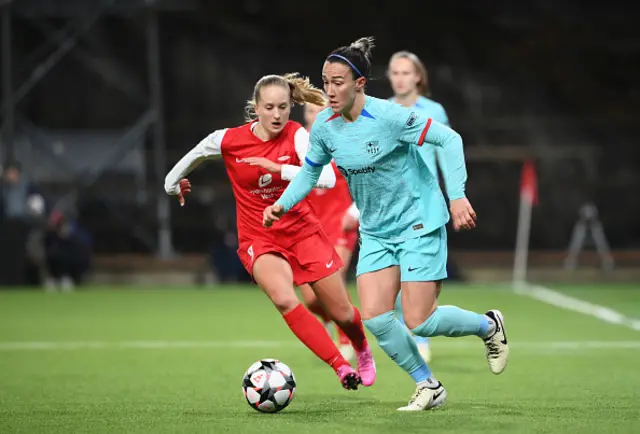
[(441, 343), (77, 345), (564, 301)]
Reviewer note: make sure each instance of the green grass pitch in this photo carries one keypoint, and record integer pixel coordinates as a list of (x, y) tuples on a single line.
[(120, 360)]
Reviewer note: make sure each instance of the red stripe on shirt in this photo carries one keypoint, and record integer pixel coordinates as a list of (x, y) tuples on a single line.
[(424, 133)]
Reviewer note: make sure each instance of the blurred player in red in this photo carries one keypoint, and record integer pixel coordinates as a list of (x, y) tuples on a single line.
[(330, 205), (260, 158)]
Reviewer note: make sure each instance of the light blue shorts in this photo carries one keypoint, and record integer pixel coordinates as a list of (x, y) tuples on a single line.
[(422, 259)]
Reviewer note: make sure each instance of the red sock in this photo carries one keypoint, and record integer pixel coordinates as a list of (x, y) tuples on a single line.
[(311, 333), (319, 310), (355, 331), (342, 338)]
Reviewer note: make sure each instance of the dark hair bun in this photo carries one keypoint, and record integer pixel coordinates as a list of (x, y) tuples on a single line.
[(365, 45)]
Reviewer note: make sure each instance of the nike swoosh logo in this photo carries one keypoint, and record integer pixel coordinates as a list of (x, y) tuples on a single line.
[(499, 328), (437, 395), (504, 335), (329, 264), (239, 160), (284, 158), (413, 269)]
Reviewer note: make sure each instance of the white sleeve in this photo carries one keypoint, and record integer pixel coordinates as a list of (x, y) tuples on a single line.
[(208, 148), (353, 211), (301, 140)]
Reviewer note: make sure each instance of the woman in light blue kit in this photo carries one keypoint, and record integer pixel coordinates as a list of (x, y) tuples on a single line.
[(402, 216)]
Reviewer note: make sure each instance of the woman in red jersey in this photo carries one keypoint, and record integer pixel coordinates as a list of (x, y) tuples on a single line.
[(261, 157), (330, 205)]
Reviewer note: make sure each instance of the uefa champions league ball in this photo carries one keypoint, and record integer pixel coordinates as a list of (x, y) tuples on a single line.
[(269, 385)]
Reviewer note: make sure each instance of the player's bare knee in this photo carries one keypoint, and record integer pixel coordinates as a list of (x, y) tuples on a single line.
[(284, 301), (371, 308), (342, 314), (413, 319), (367, 313)]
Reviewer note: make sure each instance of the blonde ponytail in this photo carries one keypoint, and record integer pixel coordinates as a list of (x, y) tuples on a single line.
[(300, 88), (302, 91)]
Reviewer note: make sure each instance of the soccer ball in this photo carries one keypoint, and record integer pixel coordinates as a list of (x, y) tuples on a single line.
[(269, 385)]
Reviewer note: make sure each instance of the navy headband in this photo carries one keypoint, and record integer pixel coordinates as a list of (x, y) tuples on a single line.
[(348, 61)]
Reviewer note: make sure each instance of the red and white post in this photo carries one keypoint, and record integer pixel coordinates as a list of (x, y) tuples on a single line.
[(528, 198)]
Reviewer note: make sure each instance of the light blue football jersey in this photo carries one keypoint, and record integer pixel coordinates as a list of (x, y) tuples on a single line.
[(397, 197), (434, 110)]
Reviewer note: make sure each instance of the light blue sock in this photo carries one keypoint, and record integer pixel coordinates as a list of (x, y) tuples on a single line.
[(395, 339), (452, 321), (400, 316)]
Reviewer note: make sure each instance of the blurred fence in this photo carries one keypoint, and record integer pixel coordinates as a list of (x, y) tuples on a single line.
[(107, 107)]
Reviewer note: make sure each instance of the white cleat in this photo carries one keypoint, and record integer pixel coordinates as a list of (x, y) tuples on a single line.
[(347, 351), (425, 351), (497, 347), (427, 397)]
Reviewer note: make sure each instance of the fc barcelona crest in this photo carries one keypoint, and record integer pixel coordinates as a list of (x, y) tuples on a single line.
[(373, 148)]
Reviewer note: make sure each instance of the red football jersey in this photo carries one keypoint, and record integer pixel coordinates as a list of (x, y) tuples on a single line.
[(331, 204), (255, 188)]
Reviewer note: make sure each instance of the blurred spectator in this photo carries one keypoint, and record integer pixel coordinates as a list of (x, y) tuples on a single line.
[(67, 251), (22, 212), (20, 197)]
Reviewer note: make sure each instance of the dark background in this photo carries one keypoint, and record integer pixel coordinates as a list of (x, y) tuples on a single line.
[(555, 82)]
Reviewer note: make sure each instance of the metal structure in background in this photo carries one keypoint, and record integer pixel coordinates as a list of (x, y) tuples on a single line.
[(8, 119), (589, 221), (81, 16)]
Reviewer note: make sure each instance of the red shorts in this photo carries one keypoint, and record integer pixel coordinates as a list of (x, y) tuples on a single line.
[(311, 259), (345, 239)]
